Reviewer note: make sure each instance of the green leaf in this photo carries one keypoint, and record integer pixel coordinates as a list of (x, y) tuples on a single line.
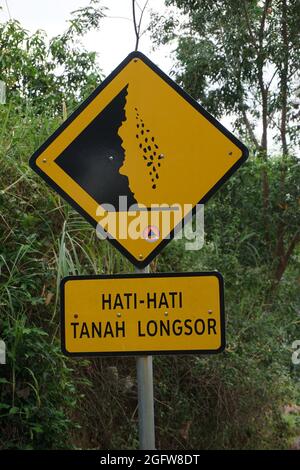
[(3, 380), (14, 410)]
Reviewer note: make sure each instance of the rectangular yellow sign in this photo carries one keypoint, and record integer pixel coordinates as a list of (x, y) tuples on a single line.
[(142, 314)]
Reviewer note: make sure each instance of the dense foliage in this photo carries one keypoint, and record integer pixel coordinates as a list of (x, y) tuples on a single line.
[(49, 73), (247, 397)]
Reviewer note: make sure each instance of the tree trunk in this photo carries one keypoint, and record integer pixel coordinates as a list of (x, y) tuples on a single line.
[(284, 78)]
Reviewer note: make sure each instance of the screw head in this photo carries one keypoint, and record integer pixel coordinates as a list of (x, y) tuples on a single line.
[(111, 157), (44, 160), (166, 314), (141, 256), (119, 315), (210, 311)]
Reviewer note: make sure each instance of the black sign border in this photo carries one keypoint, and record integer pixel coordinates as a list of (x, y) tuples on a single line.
[(143, 275), (191, 101)]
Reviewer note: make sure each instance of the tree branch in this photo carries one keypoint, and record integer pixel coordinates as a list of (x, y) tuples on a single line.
[(271, 80), (142, 14), (137, 26), (283, 261), (249, 26), (249, 129), (294, 242), (283, 78), (263, 88), (262, 23)]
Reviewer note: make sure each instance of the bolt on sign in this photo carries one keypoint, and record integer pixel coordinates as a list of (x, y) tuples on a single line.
[(137, 157), (142, 314)]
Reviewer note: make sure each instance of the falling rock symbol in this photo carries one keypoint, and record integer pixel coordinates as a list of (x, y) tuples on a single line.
[(149, 150)]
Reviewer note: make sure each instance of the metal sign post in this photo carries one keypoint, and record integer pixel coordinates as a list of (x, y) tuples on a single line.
[(144, 367), (145, 402)]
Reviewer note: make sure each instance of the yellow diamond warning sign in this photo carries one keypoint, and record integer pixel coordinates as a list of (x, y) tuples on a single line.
[(137, 157), (143, 314)]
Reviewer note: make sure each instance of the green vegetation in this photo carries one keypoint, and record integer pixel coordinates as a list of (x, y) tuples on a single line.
[(236, 400)]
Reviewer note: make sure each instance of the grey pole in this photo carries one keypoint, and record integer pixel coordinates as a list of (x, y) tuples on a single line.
[(145, 397)]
